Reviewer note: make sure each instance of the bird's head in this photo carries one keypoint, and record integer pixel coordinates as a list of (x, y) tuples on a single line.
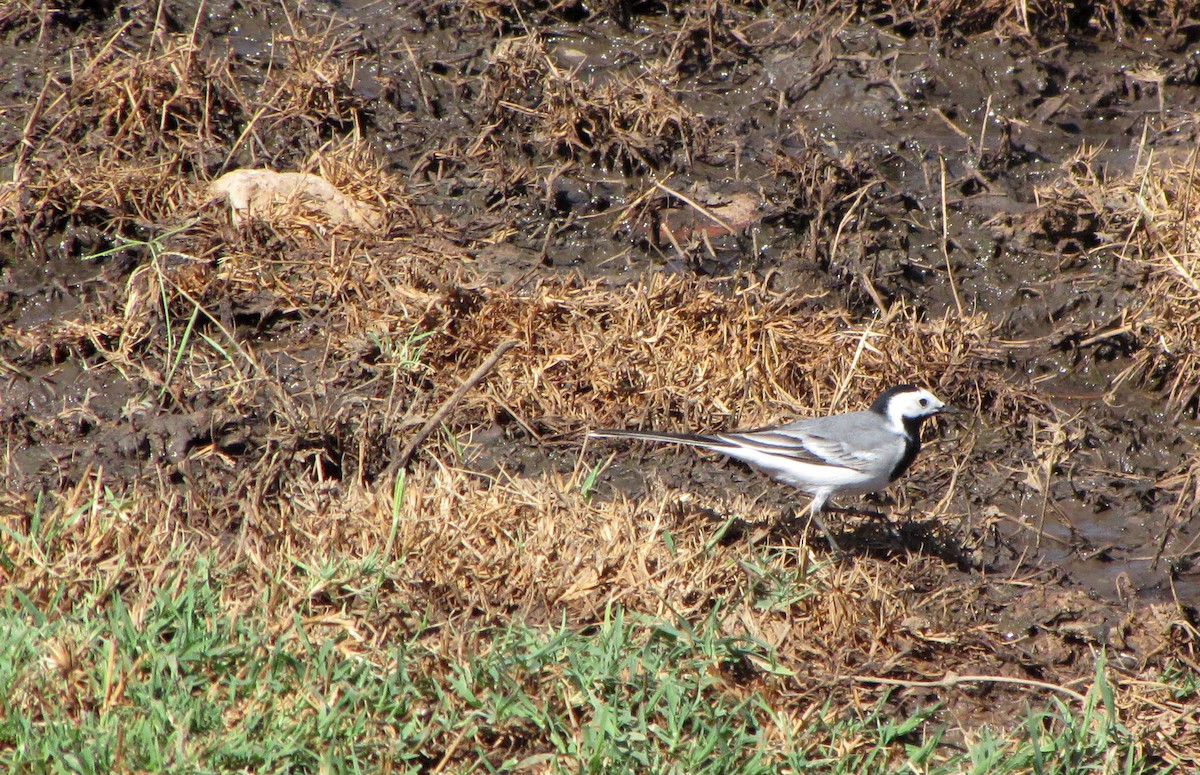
[(907, 406)]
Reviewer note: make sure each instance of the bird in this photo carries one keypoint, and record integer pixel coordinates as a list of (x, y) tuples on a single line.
[(853, 453)]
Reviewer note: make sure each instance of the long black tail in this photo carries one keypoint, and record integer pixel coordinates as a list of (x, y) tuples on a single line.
[(690, 439)]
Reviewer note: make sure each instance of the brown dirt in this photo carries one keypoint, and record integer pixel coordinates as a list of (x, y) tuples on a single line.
[(1006, 217)]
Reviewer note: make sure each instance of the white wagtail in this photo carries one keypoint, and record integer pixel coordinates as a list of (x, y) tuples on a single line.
[(843, 454)]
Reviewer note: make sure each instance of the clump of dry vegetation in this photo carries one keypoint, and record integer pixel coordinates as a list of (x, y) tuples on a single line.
[(1021, 17), (122, 140), (315, 84), (126, 138), (630, 122), (1148, 221), (508, 15)]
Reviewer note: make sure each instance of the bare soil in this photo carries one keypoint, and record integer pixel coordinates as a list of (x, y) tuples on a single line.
[(693, 215)]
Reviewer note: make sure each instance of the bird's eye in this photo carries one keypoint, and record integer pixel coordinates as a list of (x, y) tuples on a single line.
[(924, 402)]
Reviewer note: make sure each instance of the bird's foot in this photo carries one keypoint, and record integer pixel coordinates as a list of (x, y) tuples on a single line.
[(834, 549), (853, 512), (814, 518)]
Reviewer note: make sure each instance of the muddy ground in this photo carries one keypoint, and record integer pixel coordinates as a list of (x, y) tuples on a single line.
[(968, 171)]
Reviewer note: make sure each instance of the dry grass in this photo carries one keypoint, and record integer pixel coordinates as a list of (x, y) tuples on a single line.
[(1147, 220), (705, 24), (465, 553), (634, 122), (470, 551), (125, 138), (1033, 18), (676, 352), (1152, 219)]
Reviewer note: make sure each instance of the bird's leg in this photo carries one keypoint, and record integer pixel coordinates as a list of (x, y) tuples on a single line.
[(815, 516)]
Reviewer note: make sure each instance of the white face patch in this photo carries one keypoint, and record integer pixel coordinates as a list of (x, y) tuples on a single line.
[(912, 405)]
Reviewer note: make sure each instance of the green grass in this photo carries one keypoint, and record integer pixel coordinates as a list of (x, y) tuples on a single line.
[(402, 354), (178, 683)]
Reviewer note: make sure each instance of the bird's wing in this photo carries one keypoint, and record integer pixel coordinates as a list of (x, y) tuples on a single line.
[(852, 442)]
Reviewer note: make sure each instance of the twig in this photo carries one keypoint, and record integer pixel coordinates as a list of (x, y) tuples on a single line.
[(621, 213), (953, 126), (417, 72), (837, 238), (665, 228), (987, 111), (8, 365), (707, 213), (946, 241), (952, 680), (1100, 337), (448, 405), (24, 232), (468, 728), (844, 382)]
